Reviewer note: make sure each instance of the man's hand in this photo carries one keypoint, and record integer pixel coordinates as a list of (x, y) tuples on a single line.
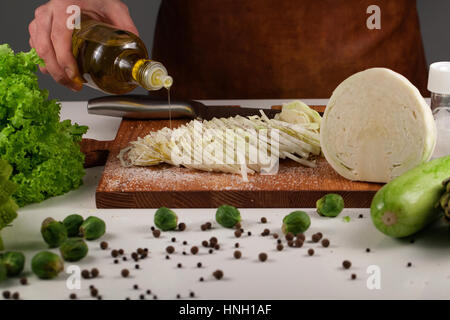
[(52, 39)]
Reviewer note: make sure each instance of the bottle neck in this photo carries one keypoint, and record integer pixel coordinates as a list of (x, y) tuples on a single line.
[(151, 75)]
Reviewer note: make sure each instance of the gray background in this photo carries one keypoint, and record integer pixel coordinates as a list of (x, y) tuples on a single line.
[(16, 15)]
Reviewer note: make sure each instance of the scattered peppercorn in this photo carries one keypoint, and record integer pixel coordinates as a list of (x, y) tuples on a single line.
[(361, 216), (135, 287), (280, 247), (290, 243), (279, 241), (144, 255), (192, 294), (125, 273), (262, 257), (136, 266), (205, 243), (94, 292), (249, 233), (95, 273), (181, 226), (103, 245), (218, 274), (203, 227), (412, 241), (99, 298), (199, 265), (353, 276), (367, 250), (185, 243), (316, 237), (238, 226), (300, 236), (298, 243), (134, 256), (142, 297), (201, 279), (178, 296), (213, 240), (266, 232), (6, 294), (210, 251), (124, 258), (156, 233), (152, 228), (148, 291), (237, 233), (263, 220), (237, 254), (217, 247), (409, 265), (170, 249), (23, 281), (236, 245), (275, 236), (73, 296), (311, 252), (173, 239), (179, 265), (16, 296), (208, 225), (85, 274), (346, 264), (194, 250), (184, 253), (116, 261), (289, 236), (325, 243), (167, 257), (114, 253), (121, 252)]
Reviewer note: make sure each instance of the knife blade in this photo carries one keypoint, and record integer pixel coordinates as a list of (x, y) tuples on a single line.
[(143, 107)]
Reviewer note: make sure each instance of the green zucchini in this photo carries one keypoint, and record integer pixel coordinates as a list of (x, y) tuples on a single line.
[(410, 202)]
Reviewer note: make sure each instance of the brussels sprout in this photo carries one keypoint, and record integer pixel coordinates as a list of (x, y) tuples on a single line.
[(165, 219), (53, 232), (14, 263), (228, 216), (296, 222), (92, 228), (73, 249), (3, 272), (47, 265), (330, 205), (73, 224)]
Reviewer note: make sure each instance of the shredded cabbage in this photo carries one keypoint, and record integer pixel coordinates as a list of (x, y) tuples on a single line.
[(237, 144)]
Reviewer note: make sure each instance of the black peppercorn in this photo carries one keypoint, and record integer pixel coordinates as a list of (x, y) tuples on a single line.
[(346, 264), (262, 257), (194, 250), (218, 274)]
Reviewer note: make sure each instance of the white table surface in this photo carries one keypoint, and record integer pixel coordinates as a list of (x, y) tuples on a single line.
[(290, 274)]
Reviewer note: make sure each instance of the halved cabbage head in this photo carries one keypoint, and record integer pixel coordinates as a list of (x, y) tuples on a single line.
[(377, 126)]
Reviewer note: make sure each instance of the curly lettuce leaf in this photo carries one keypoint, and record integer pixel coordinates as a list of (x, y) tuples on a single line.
[(43, 151)]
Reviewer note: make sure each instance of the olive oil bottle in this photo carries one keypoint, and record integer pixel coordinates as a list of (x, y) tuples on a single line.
[(115, 61)]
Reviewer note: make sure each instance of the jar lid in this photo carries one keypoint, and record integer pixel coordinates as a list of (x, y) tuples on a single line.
[(439, 78)]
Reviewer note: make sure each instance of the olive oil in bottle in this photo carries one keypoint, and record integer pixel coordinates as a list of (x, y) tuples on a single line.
[(115, 61)]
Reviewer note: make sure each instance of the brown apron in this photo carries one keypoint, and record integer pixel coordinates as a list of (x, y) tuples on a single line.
[(250, 49)]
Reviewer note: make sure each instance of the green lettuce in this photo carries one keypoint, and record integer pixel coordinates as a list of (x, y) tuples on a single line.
[(43, 151)]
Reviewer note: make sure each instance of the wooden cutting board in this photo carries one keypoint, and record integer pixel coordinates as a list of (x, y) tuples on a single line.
[(294, 186)]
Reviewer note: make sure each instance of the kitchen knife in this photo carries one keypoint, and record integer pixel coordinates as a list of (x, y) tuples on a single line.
[(145, 108)]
